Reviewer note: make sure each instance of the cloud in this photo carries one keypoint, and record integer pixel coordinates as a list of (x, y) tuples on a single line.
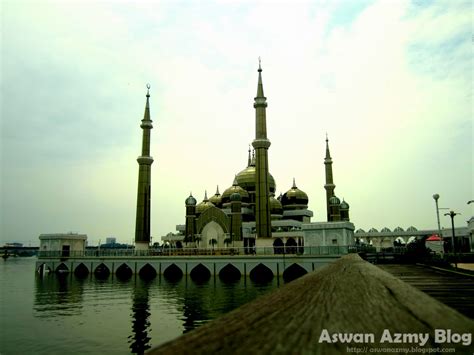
[(389, 81)]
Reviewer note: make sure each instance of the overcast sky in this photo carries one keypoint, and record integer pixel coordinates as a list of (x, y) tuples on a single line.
[(390, 81)]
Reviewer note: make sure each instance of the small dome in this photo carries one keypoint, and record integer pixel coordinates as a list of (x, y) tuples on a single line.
[(235, 197), (235, 188), (385, 229), (360, 230), (204, 205), (344, 205), (334, 201), (373, 230), (294, 196), (398, 229), (216, 199), (411, 229), (190, 201), (275, 205)]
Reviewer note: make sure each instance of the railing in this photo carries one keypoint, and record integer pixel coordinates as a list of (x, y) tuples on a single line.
[(160, 252)]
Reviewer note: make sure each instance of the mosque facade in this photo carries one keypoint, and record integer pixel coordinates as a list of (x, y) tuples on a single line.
[(248, 214)]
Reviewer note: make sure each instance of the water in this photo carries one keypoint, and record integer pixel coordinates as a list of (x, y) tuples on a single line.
[(67, 315)]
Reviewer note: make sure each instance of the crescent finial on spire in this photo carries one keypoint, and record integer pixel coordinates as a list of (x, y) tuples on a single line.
[(259, 64), (148, 86)]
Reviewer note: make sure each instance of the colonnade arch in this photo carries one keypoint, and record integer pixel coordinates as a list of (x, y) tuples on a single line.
[(198, 270), (147, 272), (124, 272), (230, 273), (200, 273), (81, 270)]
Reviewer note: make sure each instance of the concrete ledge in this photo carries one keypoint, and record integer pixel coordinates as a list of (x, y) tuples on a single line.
[(448, 271), (347, 296)]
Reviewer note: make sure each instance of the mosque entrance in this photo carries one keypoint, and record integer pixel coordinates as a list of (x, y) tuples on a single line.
[(213, 235), (278, 246), (290, 246), (249, 245)]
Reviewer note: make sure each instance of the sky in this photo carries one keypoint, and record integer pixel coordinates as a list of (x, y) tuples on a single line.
[(389, 81)]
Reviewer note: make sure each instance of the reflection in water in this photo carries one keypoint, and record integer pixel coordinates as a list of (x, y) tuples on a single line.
[(101, 309), (58, 295), (195, 299), (139, 340), (200, 302)]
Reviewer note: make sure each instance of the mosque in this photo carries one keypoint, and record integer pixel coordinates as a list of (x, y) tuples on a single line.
[(247, 214)]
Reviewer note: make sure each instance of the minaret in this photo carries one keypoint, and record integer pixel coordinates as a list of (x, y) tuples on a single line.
[(142, 226), (190, 226), (329, 186), (261, 145)]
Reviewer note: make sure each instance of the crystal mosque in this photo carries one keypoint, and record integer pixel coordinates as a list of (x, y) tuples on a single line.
[(248, 214)]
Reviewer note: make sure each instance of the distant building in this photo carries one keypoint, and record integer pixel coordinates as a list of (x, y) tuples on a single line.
[(63, 242), (110, 240), (13, 245)]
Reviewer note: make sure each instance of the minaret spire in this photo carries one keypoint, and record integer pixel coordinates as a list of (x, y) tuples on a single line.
[(249, 161), (142, 225), (260, 84), (261, 145), (329, 186), (328, 155)]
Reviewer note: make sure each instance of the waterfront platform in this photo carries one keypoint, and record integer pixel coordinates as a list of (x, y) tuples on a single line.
[(233, 262)]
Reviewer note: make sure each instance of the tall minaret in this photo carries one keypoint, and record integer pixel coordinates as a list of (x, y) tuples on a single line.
[(329, 186), (142, 226), (261, 145)]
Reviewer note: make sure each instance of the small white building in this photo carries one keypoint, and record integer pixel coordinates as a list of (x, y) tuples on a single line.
[(63, 242), (328, 234)]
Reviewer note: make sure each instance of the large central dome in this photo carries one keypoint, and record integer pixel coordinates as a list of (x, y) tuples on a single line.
[(247, 177)]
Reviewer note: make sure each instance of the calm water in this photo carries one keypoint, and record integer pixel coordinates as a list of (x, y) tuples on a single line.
[(67, 315)]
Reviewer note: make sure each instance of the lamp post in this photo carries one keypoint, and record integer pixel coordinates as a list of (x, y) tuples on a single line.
[(436, 197), (452, 214)]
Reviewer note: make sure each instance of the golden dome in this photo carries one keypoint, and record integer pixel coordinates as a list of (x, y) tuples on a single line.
[(217, 198), (246, 178), (204, 205), (234, 188), (275, 205), (294, 196)]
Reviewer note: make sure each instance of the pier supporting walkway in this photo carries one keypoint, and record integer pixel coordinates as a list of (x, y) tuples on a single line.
[(454, 289), (349, 296)]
